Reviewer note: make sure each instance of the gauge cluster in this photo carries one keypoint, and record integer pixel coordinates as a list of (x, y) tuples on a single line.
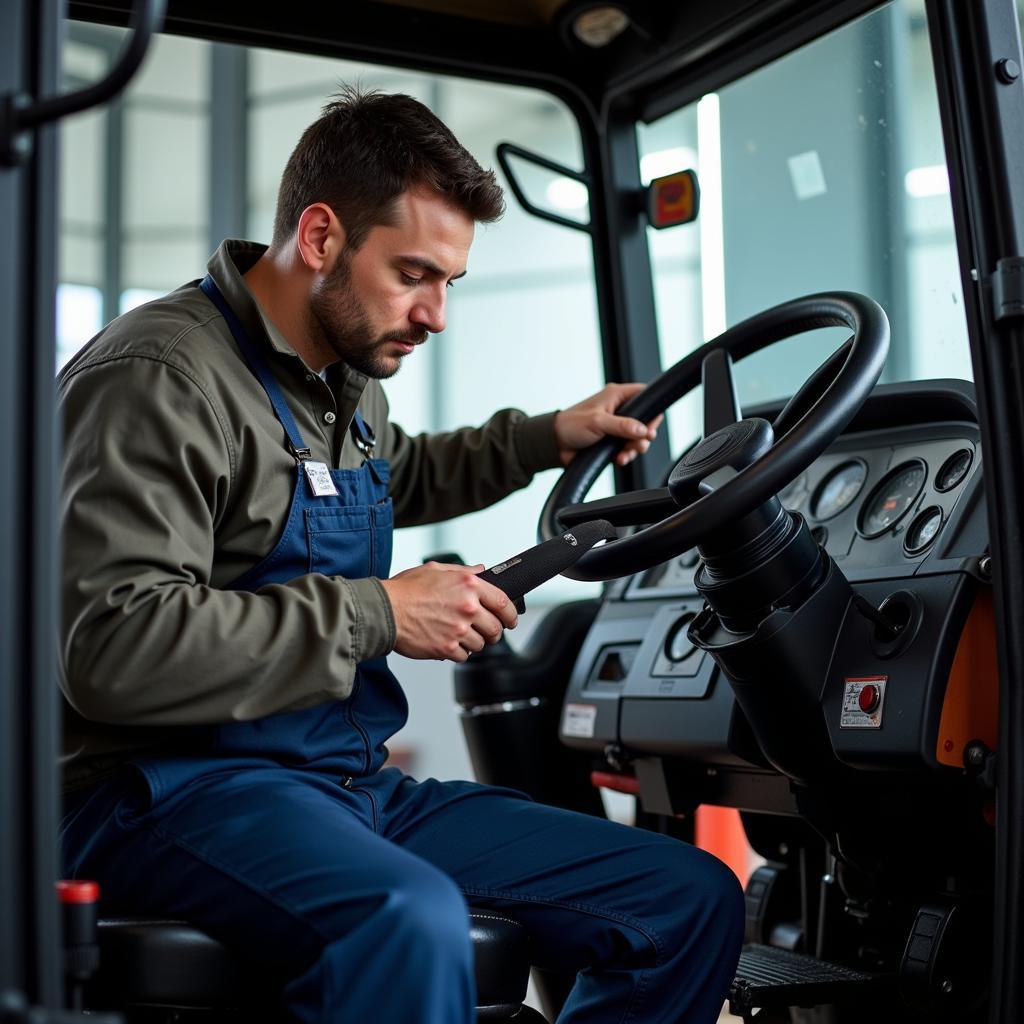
[(875, 500), (875, 505)]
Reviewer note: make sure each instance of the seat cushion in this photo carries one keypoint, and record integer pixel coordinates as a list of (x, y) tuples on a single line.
[(170, 963), (145, 961), (501, 959)]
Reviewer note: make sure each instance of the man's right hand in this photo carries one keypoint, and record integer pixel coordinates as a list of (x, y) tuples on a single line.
[(446, 612)]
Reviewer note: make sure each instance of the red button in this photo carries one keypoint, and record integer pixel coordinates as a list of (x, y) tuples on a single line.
[(868, 698), (77, 892)]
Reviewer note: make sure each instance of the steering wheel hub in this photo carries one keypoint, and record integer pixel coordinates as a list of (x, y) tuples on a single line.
[(732, 448)]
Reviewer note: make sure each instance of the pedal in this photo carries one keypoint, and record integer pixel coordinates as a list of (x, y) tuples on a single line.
[(770, 978), (769, 894)]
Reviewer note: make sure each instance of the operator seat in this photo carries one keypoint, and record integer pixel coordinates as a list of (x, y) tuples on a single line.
[(148, 966)]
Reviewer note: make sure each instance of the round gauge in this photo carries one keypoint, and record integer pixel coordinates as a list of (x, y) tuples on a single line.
[(795, 494), (838, 490), (677, 643), (954, 469), (890, 501), (922, 530)]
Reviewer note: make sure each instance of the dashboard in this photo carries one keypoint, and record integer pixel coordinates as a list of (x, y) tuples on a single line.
[(897, 502), (877, 501)]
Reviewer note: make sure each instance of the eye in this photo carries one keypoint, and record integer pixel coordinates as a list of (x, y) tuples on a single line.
[(408, 278)]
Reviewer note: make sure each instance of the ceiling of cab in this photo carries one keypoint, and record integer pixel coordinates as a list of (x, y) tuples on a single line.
[(607, 47), (633, 52)]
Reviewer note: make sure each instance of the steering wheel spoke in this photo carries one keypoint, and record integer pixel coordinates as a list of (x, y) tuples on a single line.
[(812, 390), (720, 406), (633, 509)]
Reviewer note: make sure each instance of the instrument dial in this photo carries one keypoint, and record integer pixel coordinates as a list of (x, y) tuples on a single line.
[(890, 501), (923, 530), (839, 489), (677, 643), (954, 469)]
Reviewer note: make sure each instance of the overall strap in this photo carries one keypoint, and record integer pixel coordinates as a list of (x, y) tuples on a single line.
[(259, 367)]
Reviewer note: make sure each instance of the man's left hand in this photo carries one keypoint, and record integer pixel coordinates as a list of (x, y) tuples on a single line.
[(585, 423)]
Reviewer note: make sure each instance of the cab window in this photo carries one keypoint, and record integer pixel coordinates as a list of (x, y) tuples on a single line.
[(824, 170), (193, 152)]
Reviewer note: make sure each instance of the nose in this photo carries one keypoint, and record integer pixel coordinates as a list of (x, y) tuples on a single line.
[(429, 311)]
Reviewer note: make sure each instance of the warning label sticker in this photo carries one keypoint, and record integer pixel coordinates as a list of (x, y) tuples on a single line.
[(578, 720), (863, 702)]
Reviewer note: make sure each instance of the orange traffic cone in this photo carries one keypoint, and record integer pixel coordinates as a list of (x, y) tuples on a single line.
[(720, 831)]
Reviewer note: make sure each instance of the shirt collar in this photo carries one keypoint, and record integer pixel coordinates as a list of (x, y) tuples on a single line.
[(232, 259), (234, 256)]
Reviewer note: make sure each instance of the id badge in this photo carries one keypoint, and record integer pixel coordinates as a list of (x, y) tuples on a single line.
[(319, 477)]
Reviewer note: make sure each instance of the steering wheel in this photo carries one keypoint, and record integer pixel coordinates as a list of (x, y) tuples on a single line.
[(739, 464)]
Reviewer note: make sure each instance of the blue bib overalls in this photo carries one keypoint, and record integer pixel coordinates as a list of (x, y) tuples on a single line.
[(346, 881)]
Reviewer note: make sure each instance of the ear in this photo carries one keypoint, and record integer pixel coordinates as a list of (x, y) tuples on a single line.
[(319, 237)]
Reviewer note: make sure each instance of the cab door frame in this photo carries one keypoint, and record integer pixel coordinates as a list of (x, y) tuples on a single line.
[(30, 960), (981, 102)]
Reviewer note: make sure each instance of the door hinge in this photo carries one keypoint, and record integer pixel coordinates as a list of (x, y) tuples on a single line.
[(1008, 289), (15, 141)]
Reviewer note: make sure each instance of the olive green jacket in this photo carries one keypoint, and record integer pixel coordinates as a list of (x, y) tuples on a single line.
[(176, 480)]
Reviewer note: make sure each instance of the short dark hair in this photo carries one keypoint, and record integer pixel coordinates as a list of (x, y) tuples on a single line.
[(364, 151)]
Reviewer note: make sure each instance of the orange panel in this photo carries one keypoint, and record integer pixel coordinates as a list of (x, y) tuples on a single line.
[(970, 710)]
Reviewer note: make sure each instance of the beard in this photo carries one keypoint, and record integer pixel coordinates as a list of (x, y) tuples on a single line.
[(342, 326)]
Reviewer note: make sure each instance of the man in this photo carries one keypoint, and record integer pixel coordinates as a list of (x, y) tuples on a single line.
[(230, 483)]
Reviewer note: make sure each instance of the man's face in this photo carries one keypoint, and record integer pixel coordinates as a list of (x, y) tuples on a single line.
[(381, 301)]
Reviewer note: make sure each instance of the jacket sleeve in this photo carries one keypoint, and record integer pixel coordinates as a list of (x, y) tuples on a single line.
[(146, 640), (438, 476)]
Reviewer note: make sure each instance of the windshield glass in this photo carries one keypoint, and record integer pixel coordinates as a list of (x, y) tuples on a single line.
[(824, 170)]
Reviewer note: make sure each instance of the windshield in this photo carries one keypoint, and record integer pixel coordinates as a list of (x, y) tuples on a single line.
[(824, 170)]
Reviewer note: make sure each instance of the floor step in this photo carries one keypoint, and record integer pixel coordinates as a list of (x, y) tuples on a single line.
[(769, 978)]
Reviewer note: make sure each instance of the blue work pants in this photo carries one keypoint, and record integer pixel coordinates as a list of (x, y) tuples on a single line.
[(353, 893)]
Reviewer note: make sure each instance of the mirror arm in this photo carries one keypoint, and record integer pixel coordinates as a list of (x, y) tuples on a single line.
[(506, 149)]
